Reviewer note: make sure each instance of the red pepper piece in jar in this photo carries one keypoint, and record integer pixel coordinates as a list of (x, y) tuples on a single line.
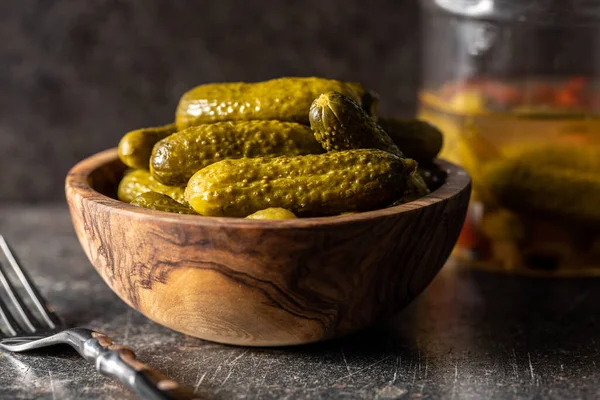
[(469, 238), (502, 94), (576, 84), (542, 94), (571, 93), (566, 98)]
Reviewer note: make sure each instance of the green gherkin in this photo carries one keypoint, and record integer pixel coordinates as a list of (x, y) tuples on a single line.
[(176, 158), (339, 123), (415, 187), (161, 202), (565, 193), (417, 139), (562, 156), (272, 213), (283, 99), (139, 181), (323, 184), (136, 146)]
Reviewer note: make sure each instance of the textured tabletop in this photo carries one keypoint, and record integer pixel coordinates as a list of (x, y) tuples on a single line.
[(469, 335)]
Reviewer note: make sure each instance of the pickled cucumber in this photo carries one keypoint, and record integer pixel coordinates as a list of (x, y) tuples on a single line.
[(503, 225), (415, 188), (311, 185), (340, 124), (563, 193), (272, 213), (283, 99), (558, 155), (161, 202), (368, 98), (417, 139), (176, 158), (136, 146), (139, 181)]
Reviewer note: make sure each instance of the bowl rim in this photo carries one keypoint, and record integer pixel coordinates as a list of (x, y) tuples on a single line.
[(77, 183)]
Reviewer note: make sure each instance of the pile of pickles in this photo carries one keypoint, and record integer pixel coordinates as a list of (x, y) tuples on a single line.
[(279, 149)]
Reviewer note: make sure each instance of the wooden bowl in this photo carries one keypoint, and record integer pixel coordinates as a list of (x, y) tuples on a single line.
[(261, 282)]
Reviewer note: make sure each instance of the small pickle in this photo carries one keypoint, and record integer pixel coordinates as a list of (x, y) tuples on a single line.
[(564, 193), (311, 185), (161, 202), (339, 123), (417, 139), (563, 156), (139, 181), (272, 213), (504, 225), (283, 99), (415, 188), (368, 98), (176, 158), (136, 146)]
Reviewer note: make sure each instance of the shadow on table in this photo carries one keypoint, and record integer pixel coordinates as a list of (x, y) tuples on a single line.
[(486, 316)]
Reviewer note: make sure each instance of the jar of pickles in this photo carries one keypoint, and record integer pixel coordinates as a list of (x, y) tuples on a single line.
[(514, 86)]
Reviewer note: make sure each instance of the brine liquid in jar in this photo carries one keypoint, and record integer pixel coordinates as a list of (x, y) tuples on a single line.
[(515, 88), (532, 149)]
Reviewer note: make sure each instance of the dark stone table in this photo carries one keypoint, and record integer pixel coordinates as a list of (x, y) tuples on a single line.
[(470, 335)]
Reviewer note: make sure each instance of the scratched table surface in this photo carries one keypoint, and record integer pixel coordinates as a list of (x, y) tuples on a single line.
[(470, 335)]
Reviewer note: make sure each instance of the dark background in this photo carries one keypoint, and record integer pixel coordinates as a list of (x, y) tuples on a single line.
[(76, 75)]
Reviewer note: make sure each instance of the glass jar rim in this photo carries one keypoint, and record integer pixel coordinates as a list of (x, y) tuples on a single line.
[(547, 12)]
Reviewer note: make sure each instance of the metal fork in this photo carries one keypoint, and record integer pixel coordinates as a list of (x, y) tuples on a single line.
[(25, 332)]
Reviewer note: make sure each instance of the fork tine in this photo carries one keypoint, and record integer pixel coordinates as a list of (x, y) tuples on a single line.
[(49, 317), (20, 308), (12, 326)]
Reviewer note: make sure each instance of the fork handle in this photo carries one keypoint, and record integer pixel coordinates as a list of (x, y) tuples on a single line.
[(119, 362)]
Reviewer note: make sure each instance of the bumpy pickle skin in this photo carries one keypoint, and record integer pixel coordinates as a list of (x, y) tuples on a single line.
[(368, 98), (272, 213), (176, 158), (311, 185), (556, 192), (417, 139), (136, 146), (339, 123), (161, 202), (283, 99), (139, 181)]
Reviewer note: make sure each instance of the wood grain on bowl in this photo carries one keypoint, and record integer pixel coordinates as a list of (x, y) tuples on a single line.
[(263, 282)]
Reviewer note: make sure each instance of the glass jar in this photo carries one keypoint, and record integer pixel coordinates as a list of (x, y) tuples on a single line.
[(514, 86)]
